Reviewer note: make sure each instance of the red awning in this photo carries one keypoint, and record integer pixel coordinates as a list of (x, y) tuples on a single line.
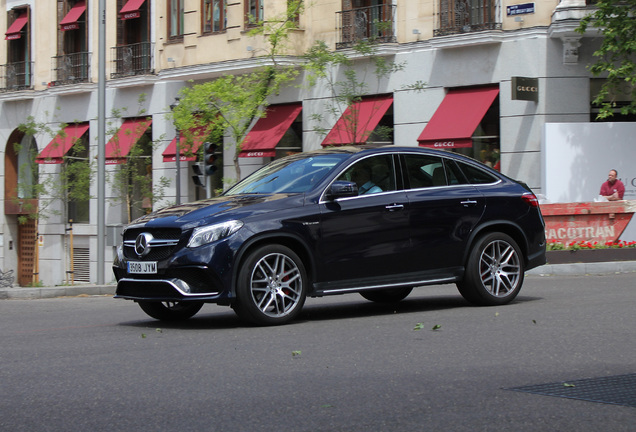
[(126, 137), (72, 17), (131, 9), (55, 151), (14, 30), (186, 150), (359, 121), (457, 117), (261, 141)]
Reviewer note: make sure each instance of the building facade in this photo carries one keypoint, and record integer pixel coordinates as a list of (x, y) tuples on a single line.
[(494, 73)]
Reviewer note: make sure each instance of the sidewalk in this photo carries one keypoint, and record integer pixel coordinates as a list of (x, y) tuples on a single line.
[(577, 269)]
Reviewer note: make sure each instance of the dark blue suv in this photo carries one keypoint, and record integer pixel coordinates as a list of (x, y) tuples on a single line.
[(378, 222)]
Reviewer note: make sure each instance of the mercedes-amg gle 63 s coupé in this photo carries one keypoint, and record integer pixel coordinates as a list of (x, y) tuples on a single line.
[(374, 221)]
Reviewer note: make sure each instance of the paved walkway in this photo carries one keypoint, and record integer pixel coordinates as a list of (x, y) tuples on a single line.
[(578, 269)]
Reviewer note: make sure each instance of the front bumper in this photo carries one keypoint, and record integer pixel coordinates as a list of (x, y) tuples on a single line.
[(161, 290)]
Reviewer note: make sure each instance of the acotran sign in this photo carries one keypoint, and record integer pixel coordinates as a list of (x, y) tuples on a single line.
[(587, 221)]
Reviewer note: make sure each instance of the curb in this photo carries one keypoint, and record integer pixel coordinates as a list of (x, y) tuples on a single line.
[(574, 269), (19, 293), (582, 269)]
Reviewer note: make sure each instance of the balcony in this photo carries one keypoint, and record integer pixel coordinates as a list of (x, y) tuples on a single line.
[(131, 60), (374, 23), (16, 76), (467, 16), (71, 68)]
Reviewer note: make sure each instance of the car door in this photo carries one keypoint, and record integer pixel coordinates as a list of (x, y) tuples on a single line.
[(365, 237), (443, 211)]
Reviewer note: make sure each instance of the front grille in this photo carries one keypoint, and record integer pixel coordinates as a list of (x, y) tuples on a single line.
[(157, 253)]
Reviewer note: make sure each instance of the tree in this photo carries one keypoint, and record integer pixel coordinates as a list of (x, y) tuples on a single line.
[(71, 186), (227, 106), (616, 55), (133, 180), (347, 76)]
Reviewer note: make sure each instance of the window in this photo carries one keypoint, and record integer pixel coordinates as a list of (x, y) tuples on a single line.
[(293, 8), (253, 12), (18, 71), (372, 175), (133, 53), (619, 97), (138, 170), (27, 171), (365, 20), (424, 171), (476, 175), (71, 65), (175, 18), (214, 16), (486, 143), (78, 173), (464, 16)]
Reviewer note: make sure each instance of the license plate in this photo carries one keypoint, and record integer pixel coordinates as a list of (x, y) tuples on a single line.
[(145, 267)]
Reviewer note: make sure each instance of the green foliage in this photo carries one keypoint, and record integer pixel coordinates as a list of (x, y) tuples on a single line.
[(133, 180), (72, 185), (616, 55), (228, 105), (348, 77)]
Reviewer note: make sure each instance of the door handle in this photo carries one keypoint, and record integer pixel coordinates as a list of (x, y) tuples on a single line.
[(394, 207), (469, 203)]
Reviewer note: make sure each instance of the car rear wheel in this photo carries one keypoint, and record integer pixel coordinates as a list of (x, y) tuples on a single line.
[(171, 311), (494, 271), (272, 286), (387, 295)]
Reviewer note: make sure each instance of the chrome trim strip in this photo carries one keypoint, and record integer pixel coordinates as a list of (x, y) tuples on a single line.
[(168, 282), (370, 287), (153, 243)]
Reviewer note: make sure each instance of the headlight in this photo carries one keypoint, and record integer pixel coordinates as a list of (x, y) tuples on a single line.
[(208, 234)]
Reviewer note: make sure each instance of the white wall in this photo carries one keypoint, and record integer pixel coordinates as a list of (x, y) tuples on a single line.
[(577, 157)]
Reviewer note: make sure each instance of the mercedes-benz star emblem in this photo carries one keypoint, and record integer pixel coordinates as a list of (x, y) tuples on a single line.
[(142, 244)]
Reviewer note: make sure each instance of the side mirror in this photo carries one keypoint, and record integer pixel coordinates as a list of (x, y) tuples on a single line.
[(342, 189)]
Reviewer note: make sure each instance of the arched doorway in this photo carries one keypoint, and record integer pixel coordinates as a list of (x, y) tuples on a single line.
[(20, 177)]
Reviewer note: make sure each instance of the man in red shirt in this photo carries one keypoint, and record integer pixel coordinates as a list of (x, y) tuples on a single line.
[(613, 189)]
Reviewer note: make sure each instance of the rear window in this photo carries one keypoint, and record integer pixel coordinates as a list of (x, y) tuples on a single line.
[(476, 175)]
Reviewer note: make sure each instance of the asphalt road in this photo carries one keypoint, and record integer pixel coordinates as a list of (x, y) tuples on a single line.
[(99, 364)]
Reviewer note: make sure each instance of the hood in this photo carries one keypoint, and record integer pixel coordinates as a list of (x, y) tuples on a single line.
[(218, 209)]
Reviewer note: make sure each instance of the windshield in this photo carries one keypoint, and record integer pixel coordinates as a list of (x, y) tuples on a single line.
[(288, 175)]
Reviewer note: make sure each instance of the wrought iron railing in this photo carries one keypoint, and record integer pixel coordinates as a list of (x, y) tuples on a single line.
[(16, 76), (466, 16), (72, 68), (133, 59), (373, 23)]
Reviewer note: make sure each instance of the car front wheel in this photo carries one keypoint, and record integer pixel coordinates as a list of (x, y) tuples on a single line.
[(494, 271), (171, 311), (272, 286)]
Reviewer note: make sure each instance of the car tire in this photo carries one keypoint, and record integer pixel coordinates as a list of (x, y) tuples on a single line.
[(387, 295), (171, 311), (271, 286), (494, 271)]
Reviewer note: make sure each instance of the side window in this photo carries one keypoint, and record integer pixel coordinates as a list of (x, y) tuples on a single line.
[(455, 175), (424, 171), (372, 175), (476, 175)]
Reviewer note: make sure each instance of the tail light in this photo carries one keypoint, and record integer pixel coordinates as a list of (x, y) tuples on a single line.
[(530, 199)]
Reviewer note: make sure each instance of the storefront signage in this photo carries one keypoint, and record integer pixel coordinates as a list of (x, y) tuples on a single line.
[(130, 15), (520, 9), (525, 89)]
